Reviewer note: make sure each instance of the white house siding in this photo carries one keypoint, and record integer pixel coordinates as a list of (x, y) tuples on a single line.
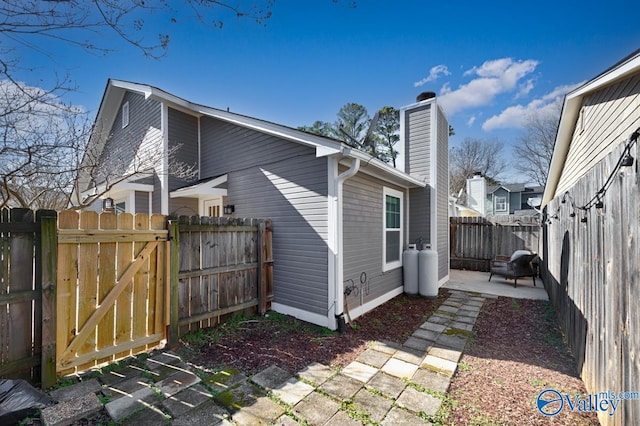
[(417, 141), (274, 178), (442, 196), (362, 230), (606, 114), (183, 133)]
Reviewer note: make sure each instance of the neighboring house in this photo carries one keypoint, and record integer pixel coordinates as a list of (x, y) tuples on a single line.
[(337, 212), (590, 251), (502, 199)]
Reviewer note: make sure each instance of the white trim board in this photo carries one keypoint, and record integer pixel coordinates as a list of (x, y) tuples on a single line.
[(307, 316), (366, 307)]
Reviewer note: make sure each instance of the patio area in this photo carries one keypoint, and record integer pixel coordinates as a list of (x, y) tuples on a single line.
[(478, 282)]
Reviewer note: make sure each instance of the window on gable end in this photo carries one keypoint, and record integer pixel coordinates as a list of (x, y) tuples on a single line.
[(392, 229), (125, 114)]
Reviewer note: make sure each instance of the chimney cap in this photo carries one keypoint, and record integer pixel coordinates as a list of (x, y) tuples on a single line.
[(425, 95)]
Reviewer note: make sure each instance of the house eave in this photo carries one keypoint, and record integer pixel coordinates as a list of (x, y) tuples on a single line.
[(569, 118)]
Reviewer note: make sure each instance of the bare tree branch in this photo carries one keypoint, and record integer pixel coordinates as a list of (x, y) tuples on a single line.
[(472, 156)]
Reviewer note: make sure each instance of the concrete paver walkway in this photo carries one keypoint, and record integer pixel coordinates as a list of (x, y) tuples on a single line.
[(388, 384)]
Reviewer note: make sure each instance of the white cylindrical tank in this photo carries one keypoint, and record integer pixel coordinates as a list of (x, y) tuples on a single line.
[(410, 269), (428, 272)]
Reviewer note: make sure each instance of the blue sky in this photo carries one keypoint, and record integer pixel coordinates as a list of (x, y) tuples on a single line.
[(491, 63)]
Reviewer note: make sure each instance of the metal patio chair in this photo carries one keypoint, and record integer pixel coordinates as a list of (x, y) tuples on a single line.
[(519, 265)]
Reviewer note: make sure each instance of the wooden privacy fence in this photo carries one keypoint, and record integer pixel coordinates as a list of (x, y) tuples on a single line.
[(27, 277), (474, 241), (93, 288), (219, 266)]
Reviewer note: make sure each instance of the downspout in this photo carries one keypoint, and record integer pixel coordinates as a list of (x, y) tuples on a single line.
[(339, 270)]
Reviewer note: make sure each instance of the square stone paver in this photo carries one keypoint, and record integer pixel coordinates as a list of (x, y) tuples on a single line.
[(374, 358), (468, 313), (359, 371), (431, 380), (316, 373), (148, 417), (285, 420), (469, 307), (262, 411), (208, 413), (448, 308), (426, 334), (176, 382), (417, 401), (438, 328), (388, 385), (474, 303), (123, 407), (399, 417), (452, 341), (293, 391), (399, 368), (271, 377), (316, 409), (374, 405), (224, 379), (439, 319), (410, 355), (418, 344), (239, 396), (439, 365), (386, 347), (341, 387), (342, 419), (446, 353), (71, 410), (185, 400), (75, 391), (163, 358), (460, 326)]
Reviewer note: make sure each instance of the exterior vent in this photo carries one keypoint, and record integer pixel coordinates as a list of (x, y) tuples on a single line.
[(425, 95)]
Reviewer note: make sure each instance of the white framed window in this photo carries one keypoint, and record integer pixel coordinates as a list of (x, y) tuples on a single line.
[(125, 114), (392, 202), (501, 204)]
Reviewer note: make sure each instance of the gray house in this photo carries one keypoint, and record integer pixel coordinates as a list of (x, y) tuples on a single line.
[(337, 212)]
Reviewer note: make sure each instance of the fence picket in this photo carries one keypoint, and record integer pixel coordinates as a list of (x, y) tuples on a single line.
[(106, 281), (88, 281)]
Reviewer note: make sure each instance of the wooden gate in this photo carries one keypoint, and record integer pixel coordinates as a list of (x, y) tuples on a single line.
[(111, 287)]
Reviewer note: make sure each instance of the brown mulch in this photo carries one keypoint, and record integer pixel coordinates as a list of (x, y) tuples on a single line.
[(517, 352), (251, 345)]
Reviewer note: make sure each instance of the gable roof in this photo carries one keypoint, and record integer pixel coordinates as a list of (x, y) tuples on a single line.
[(570, 112), (324, 146)]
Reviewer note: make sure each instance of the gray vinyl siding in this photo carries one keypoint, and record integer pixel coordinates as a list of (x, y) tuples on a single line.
[(142, 202), (606, 114), (514, 202), (362, 231), (420, 215), (284, 181), (144, 130), (442, 175), (418, 141), (183, 132)]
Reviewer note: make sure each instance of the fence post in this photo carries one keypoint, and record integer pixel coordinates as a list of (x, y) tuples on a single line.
[(174, 267), (262, 281), (49, 260)]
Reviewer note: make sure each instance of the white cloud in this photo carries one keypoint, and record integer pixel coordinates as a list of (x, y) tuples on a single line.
[(517, 116), (493, 78), (434, 74), (471, 120), (524, 89)]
